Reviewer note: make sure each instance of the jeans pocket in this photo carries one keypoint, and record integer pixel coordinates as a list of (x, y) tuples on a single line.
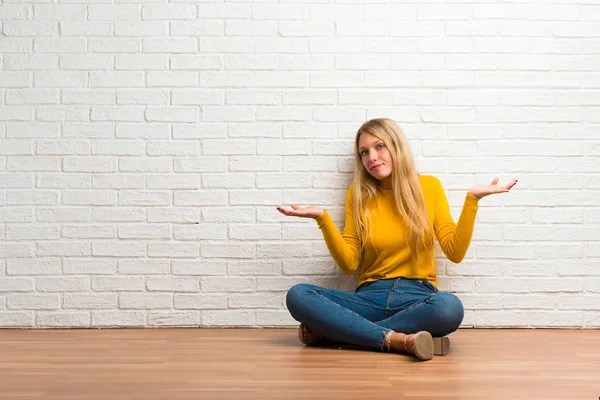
[(363, 286), (431, 286), (428, 285)]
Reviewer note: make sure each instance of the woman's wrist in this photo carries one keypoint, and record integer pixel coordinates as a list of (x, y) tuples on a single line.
[(470, 193)]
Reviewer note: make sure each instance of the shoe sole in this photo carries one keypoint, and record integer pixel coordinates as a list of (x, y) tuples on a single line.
[(441, 346), (423, 346)]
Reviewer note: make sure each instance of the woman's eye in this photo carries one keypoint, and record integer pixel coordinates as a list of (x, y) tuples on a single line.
[(380, 146)]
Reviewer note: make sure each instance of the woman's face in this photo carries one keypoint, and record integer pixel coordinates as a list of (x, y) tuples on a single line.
[(376, 158)]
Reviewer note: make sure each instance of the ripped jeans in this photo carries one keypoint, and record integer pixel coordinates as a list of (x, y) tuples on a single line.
[(365, 317)]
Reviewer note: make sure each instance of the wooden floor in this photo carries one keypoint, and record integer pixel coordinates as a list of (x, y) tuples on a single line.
[(272, 364)]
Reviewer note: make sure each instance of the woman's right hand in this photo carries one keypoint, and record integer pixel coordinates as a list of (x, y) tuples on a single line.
[(304, 212)]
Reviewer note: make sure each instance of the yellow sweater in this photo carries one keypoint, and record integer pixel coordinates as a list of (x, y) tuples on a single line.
[(392, 257)]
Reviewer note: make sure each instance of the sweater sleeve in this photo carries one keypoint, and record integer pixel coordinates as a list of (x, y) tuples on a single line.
[(454, 238), (344, 248)]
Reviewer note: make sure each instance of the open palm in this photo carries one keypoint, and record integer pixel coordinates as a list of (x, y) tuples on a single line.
[(481, 191), (304, 212)]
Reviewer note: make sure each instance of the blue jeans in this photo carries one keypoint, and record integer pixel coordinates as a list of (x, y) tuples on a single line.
[(365, 317)]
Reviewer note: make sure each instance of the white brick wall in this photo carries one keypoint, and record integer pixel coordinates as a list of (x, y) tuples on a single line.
[(144, 146)]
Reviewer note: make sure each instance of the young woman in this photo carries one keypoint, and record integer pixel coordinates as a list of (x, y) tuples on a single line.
[(392, 215)]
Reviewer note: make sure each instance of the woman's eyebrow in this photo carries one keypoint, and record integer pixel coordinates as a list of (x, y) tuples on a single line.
[(374, 143)]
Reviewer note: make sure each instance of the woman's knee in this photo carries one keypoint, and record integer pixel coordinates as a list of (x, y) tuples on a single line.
[(450, 311), (296, 295)]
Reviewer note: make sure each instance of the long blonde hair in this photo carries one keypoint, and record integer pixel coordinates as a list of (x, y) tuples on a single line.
[(405, 185)]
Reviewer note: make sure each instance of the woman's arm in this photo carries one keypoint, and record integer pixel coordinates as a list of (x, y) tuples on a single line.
[(454, 238), (344, 248)]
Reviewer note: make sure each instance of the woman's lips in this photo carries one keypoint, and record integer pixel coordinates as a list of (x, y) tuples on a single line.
[(376, 167)]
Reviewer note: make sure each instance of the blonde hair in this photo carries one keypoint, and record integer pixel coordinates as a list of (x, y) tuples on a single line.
[(405, 185)]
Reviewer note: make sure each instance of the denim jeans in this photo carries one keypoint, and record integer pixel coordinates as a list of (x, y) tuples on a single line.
[(363, 318)]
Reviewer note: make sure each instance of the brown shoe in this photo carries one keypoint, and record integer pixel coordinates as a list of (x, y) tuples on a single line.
[(310, 337), (420, 345)]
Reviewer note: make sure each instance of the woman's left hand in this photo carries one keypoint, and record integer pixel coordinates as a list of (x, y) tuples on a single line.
[(481, 191)]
